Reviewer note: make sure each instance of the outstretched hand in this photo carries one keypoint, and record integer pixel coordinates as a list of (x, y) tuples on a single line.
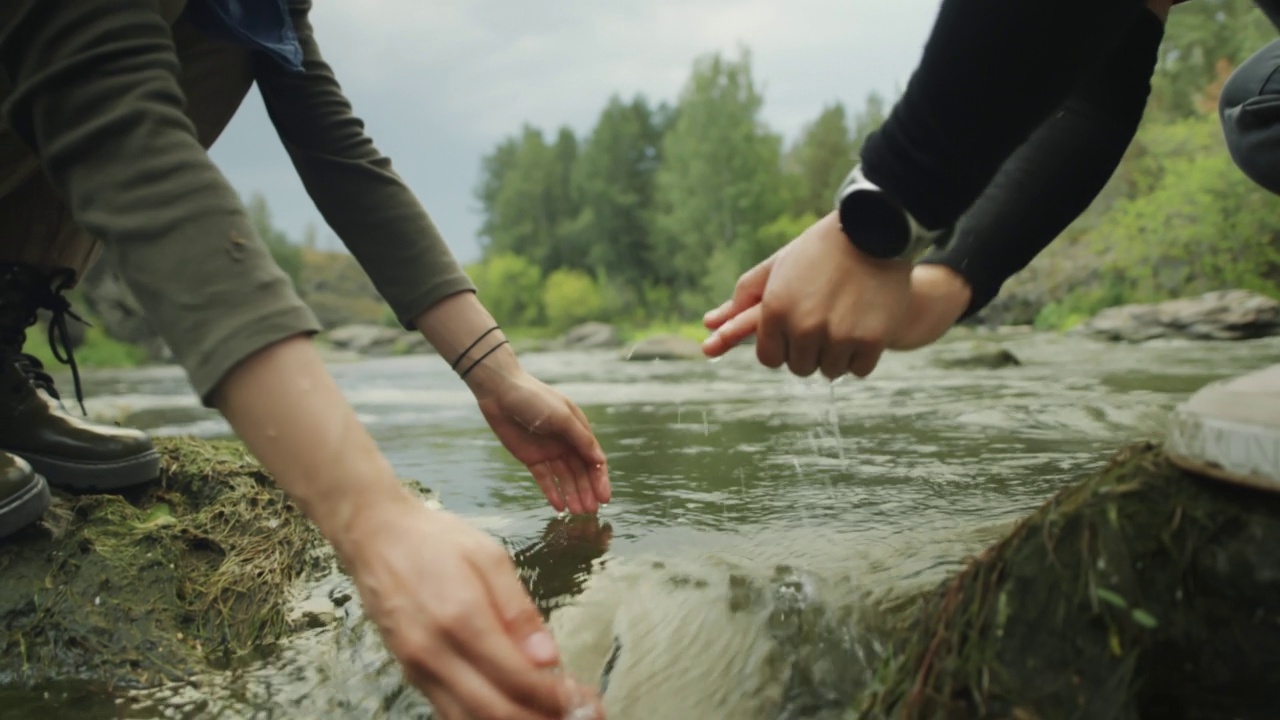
[(818, 303), (547, 432)]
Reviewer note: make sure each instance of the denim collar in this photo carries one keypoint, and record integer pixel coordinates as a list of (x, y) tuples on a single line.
[(260, 25)]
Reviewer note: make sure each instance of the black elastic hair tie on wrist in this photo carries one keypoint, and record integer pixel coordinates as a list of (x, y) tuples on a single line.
[(489, 352), (472, 346)]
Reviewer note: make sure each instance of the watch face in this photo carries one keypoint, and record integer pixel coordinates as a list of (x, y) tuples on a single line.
[(875, 224)]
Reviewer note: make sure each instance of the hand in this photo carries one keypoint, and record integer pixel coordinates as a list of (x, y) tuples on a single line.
[(547, 432), (822, 304), (937, 298), (449, 606)]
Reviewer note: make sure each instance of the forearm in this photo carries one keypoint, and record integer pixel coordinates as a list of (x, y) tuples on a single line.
[(1049, 181), (353, 185), (460, 324), (286, 407), (991, 73), (95, 92)]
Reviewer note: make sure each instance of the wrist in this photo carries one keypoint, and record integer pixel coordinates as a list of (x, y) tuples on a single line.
[(350, 517), (945, 282), (471, 341)]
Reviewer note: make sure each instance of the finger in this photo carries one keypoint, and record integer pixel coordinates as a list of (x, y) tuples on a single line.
[(575, 428), (747, 292), (582, 483), (567, 485), (865, 360), (771, 340), (802, 356), (519, 616), (597, 469), (836, 359), (546, 480), (600, 486), (462, 692), (443, 706), (713, 319), (732, 332)]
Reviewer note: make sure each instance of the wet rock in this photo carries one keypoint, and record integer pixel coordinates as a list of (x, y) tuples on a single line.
[(591, 336), (1220, 315), (377, 341), (976, 356), (1141, 591), (665, 347)]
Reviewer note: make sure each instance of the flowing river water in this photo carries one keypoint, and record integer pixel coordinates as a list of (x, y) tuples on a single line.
[(759, 521)]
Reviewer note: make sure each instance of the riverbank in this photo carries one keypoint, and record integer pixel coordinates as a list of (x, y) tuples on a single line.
[(198, 571), (1133, 591)]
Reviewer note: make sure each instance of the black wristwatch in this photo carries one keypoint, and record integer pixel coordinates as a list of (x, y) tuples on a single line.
[(877, 224)]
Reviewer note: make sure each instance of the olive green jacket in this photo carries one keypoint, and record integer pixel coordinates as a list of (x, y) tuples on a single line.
[(94, 89)]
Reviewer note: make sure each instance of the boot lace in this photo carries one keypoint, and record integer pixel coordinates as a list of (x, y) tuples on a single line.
[(59, 339)]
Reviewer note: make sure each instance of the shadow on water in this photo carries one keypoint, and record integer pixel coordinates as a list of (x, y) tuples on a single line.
[(760, 523)]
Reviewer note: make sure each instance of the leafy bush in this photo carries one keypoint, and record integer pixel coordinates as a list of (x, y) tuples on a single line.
[(570, 297), (510, 286)]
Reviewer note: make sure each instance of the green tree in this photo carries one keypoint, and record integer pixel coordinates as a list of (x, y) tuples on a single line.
[(613, 180), (527, 200), (286, 254), (720, 181), (1195, 224), (510, 287), (1199, 39), (868, 119), (820, 158), (570, 297)]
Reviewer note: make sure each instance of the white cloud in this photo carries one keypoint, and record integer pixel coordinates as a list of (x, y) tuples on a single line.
[(441, 81)]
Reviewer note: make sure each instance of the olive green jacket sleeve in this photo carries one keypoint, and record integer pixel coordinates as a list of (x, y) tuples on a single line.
[(354, 187), (94, 92)]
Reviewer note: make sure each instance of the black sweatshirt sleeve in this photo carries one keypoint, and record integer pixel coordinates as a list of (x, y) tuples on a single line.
[(1054, 176)]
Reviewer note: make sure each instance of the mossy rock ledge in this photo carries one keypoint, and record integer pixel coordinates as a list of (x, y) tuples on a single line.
[(183, 576), (1141, 592)]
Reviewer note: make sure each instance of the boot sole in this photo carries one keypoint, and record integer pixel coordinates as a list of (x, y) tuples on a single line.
[(25, 508), (90, 476), (1238, 453)]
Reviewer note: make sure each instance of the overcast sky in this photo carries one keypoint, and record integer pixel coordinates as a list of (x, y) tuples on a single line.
[(440, 82)]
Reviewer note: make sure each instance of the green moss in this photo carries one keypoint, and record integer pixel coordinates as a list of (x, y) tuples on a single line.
[(1141, 592), (194, 571)]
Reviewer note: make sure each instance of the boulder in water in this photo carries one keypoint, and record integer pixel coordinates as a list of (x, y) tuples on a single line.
[(590, 336), (976, 356), (1141, 592), (665, 347), (366, 339), (1219, 315)]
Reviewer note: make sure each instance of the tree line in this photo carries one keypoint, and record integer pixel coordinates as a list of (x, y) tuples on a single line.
[(653, 214)]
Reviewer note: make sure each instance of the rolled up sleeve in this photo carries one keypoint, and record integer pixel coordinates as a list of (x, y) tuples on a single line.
[(95, 93), (353, 185)]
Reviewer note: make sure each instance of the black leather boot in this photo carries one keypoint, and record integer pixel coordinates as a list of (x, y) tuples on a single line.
[(24, 495), (70, 452)]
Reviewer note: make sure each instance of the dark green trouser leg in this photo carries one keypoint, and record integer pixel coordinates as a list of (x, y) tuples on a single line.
[(1250, 110)]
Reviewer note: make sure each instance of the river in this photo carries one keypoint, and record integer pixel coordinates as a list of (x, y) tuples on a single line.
[(756, 517)]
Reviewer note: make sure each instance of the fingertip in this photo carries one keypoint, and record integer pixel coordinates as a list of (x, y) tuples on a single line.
[(540, 647)]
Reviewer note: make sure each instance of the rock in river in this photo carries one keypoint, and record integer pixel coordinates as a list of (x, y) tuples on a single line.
[(976, 356), (1219, 315), (665, 347), (590, 336)]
